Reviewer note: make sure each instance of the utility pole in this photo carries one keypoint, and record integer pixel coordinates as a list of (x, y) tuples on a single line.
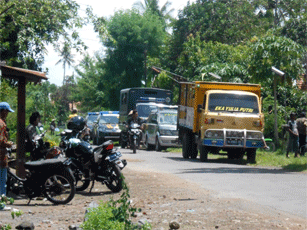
[(145, 70), (280, 73)]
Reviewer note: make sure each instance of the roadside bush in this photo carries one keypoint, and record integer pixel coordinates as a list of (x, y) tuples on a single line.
[(4, 200), (114, 214), (102, 218)]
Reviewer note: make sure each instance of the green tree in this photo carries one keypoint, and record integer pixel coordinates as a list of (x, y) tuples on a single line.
[(66, 57), (153, 6), (280, 52), (198, 58), (27, 27), (90, 71), (228, 22), (39, 99), (130, 35)]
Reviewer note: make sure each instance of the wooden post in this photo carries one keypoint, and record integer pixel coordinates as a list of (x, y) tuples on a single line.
[(21, 130)]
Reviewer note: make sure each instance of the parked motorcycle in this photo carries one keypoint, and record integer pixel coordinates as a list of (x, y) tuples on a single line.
[(134, 133), (51, 178), (101, 163), (41, 150)]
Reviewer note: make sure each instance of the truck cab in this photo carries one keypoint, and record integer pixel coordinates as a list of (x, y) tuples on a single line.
[(221, 116)]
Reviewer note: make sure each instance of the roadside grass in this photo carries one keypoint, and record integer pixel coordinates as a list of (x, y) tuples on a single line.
[(279, 159), (264, 158)]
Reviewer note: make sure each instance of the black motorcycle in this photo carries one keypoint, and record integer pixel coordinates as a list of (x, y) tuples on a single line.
[(51, 178), (101, 163), (41, 150), (134, 133)]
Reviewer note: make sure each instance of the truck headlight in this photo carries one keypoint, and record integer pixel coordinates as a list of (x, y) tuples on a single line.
[(165, 132), (217, 134), (254, 135)]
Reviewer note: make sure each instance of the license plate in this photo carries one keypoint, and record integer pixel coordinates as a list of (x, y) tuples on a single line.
[(113, 157), (232, 142)]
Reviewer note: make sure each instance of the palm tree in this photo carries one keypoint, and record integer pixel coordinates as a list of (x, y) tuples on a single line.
[(66, 57), (153, 6)]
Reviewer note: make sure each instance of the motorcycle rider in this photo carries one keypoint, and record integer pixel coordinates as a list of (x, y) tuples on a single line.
[(134, 118)]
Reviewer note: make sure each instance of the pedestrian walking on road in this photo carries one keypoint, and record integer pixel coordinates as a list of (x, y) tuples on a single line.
[(293, 143)]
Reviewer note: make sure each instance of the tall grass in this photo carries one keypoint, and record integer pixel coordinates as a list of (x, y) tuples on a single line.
[(264, 158)]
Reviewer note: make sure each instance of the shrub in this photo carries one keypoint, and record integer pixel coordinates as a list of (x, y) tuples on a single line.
[(114, 214)]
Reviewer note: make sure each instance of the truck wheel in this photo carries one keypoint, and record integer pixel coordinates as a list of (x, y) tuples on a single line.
[(158, 147), (194, 149), (147, 145), (203, 153), (122, 142), (251, 155), (185, 146)]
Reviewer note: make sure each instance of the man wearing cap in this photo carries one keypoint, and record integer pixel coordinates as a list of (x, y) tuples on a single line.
[(4, 143)]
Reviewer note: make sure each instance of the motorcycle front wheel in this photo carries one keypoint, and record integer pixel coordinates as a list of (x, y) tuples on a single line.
[(115, 179), (134, 146), (59, 188)]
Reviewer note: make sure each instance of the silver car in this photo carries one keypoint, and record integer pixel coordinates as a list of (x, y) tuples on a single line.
[(160, 130)]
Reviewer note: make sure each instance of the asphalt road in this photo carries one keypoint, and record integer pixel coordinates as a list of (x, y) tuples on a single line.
[(274, 188)]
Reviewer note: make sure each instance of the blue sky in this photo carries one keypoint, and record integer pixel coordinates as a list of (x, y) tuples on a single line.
[(87, 34)]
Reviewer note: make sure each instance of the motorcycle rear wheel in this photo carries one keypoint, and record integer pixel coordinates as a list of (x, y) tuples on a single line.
[(82, 181), (59, 188), (115, 183)]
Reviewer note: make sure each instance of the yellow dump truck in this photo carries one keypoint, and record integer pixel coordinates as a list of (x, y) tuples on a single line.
[(220, 116)]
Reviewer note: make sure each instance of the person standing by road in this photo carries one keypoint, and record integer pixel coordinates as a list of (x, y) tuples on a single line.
[(293, 137), (301, 127), (4, 143), (52, 126)]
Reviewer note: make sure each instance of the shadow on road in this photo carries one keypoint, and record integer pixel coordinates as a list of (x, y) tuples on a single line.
[(218, 160), (225, 170), (96, 193), (241, 170)]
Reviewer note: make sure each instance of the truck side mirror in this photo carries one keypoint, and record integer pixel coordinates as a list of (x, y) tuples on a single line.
[(199, 108)]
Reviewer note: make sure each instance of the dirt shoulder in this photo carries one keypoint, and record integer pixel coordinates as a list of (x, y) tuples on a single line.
[(162, 197)]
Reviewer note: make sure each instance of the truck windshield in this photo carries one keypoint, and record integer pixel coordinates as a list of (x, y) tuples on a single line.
[(233, 103), (108, 120), (144, 110), (168, 118), (91, 119)]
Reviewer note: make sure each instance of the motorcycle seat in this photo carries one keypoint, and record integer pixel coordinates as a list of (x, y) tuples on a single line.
[(45, 164), (68, 131), (103, 145)]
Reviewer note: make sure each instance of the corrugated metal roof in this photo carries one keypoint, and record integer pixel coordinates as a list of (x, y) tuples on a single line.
[(17, 73)]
